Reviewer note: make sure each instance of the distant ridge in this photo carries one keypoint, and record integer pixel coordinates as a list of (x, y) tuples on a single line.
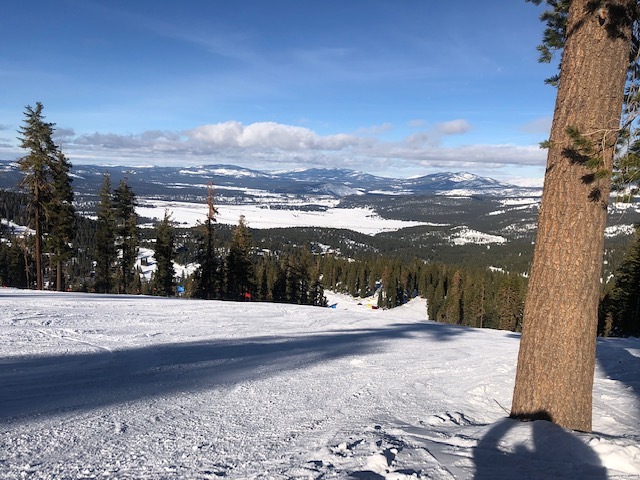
[(333, 182)]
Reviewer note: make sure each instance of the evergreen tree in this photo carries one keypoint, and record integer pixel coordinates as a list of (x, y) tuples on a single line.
[(263, 284), (127, 240), (621, 306), (163, 278), (474, 300), (280, 291), (453, 301), (240, 283), (295, 280), (207, 275), (554, 378), (82, 268), (15, 264), (37, 139), (105, 251), (510, 305), (61, 216), (317, 297)]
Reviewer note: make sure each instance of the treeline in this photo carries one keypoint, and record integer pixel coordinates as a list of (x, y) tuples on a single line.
[(65, 251), (619, 311), (238, 271), (459, 295), (231, 267)]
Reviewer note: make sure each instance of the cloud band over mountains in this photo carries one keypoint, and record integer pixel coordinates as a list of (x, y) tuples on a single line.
[(275, 145)]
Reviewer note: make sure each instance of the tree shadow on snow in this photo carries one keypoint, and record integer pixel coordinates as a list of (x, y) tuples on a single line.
[(549, 451), (38, 385), (531, 450)]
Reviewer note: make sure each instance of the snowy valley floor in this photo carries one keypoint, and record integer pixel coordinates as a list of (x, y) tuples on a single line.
[(149, 388)]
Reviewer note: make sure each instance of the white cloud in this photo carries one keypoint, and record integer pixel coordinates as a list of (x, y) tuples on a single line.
[(453, 127), (268, 135), (222, 134), (271, 145), (433, 136)]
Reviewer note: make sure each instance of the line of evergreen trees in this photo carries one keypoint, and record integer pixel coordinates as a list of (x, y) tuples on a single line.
[(238, 271), (69, 251), (103, 253), (619, 311), (459, 295)]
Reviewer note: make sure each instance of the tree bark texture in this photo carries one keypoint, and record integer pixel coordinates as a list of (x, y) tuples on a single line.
[(554, 378)]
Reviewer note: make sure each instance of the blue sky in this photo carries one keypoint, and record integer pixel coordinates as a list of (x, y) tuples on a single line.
[(397, 88)]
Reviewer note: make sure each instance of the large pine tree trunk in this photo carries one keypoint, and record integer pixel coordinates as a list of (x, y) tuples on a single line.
[(556, 362)]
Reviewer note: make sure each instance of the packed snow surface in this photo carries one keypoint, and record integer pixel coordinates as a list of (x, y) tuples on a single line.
[(149, 388)]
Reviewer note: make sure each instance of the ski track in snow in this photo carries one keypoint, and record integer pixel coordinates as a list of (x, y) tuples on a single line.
[(149, 388)]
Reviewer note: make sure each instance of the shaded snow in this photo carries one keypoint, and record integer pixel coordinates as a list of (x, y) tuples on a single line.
[(150, 388)]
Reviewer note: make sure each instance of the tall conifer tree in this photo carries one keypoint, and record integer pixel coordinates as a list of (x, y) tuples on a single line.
[(105, 250), (165, 273), (556, 361), (36, 137), (127, 239), (61, 215), (240, 281), (207, 275)]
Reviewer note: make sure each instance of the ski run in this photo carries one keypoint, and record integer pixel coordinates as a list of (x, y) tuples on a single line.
[(123, 387)]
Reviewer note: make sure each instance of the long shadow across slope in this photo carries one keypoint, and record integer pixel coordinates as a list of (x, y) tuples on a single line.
[(48, 384)]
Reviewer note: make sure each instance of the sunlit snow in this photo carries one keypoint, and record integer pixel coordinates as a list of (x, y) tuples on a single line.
[(16, 229), (115, 386), (464, 235), (615, 230), (364, 220)]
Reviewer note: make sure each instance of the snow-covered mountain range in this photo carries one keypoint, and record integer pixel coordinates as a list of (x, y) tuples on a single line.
[(233, 182), (442, 209)]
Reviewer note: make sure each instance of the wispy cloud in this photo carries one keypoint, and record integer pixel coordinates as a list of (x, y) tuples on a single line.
[(374, 130), (453, 127), (433, 136), (271, 145)]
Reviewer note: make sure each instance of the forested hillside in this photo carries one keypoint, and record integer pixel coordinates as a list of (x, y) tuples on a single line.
[(474, 285)]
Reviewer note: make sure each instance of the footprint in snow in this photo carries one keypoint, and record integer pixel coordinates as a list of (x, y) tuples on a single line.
[(455, 418)]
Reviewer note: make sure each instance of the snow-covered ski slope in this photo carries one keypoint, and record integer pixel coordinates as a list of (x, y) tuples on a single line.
[(150, 388)]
